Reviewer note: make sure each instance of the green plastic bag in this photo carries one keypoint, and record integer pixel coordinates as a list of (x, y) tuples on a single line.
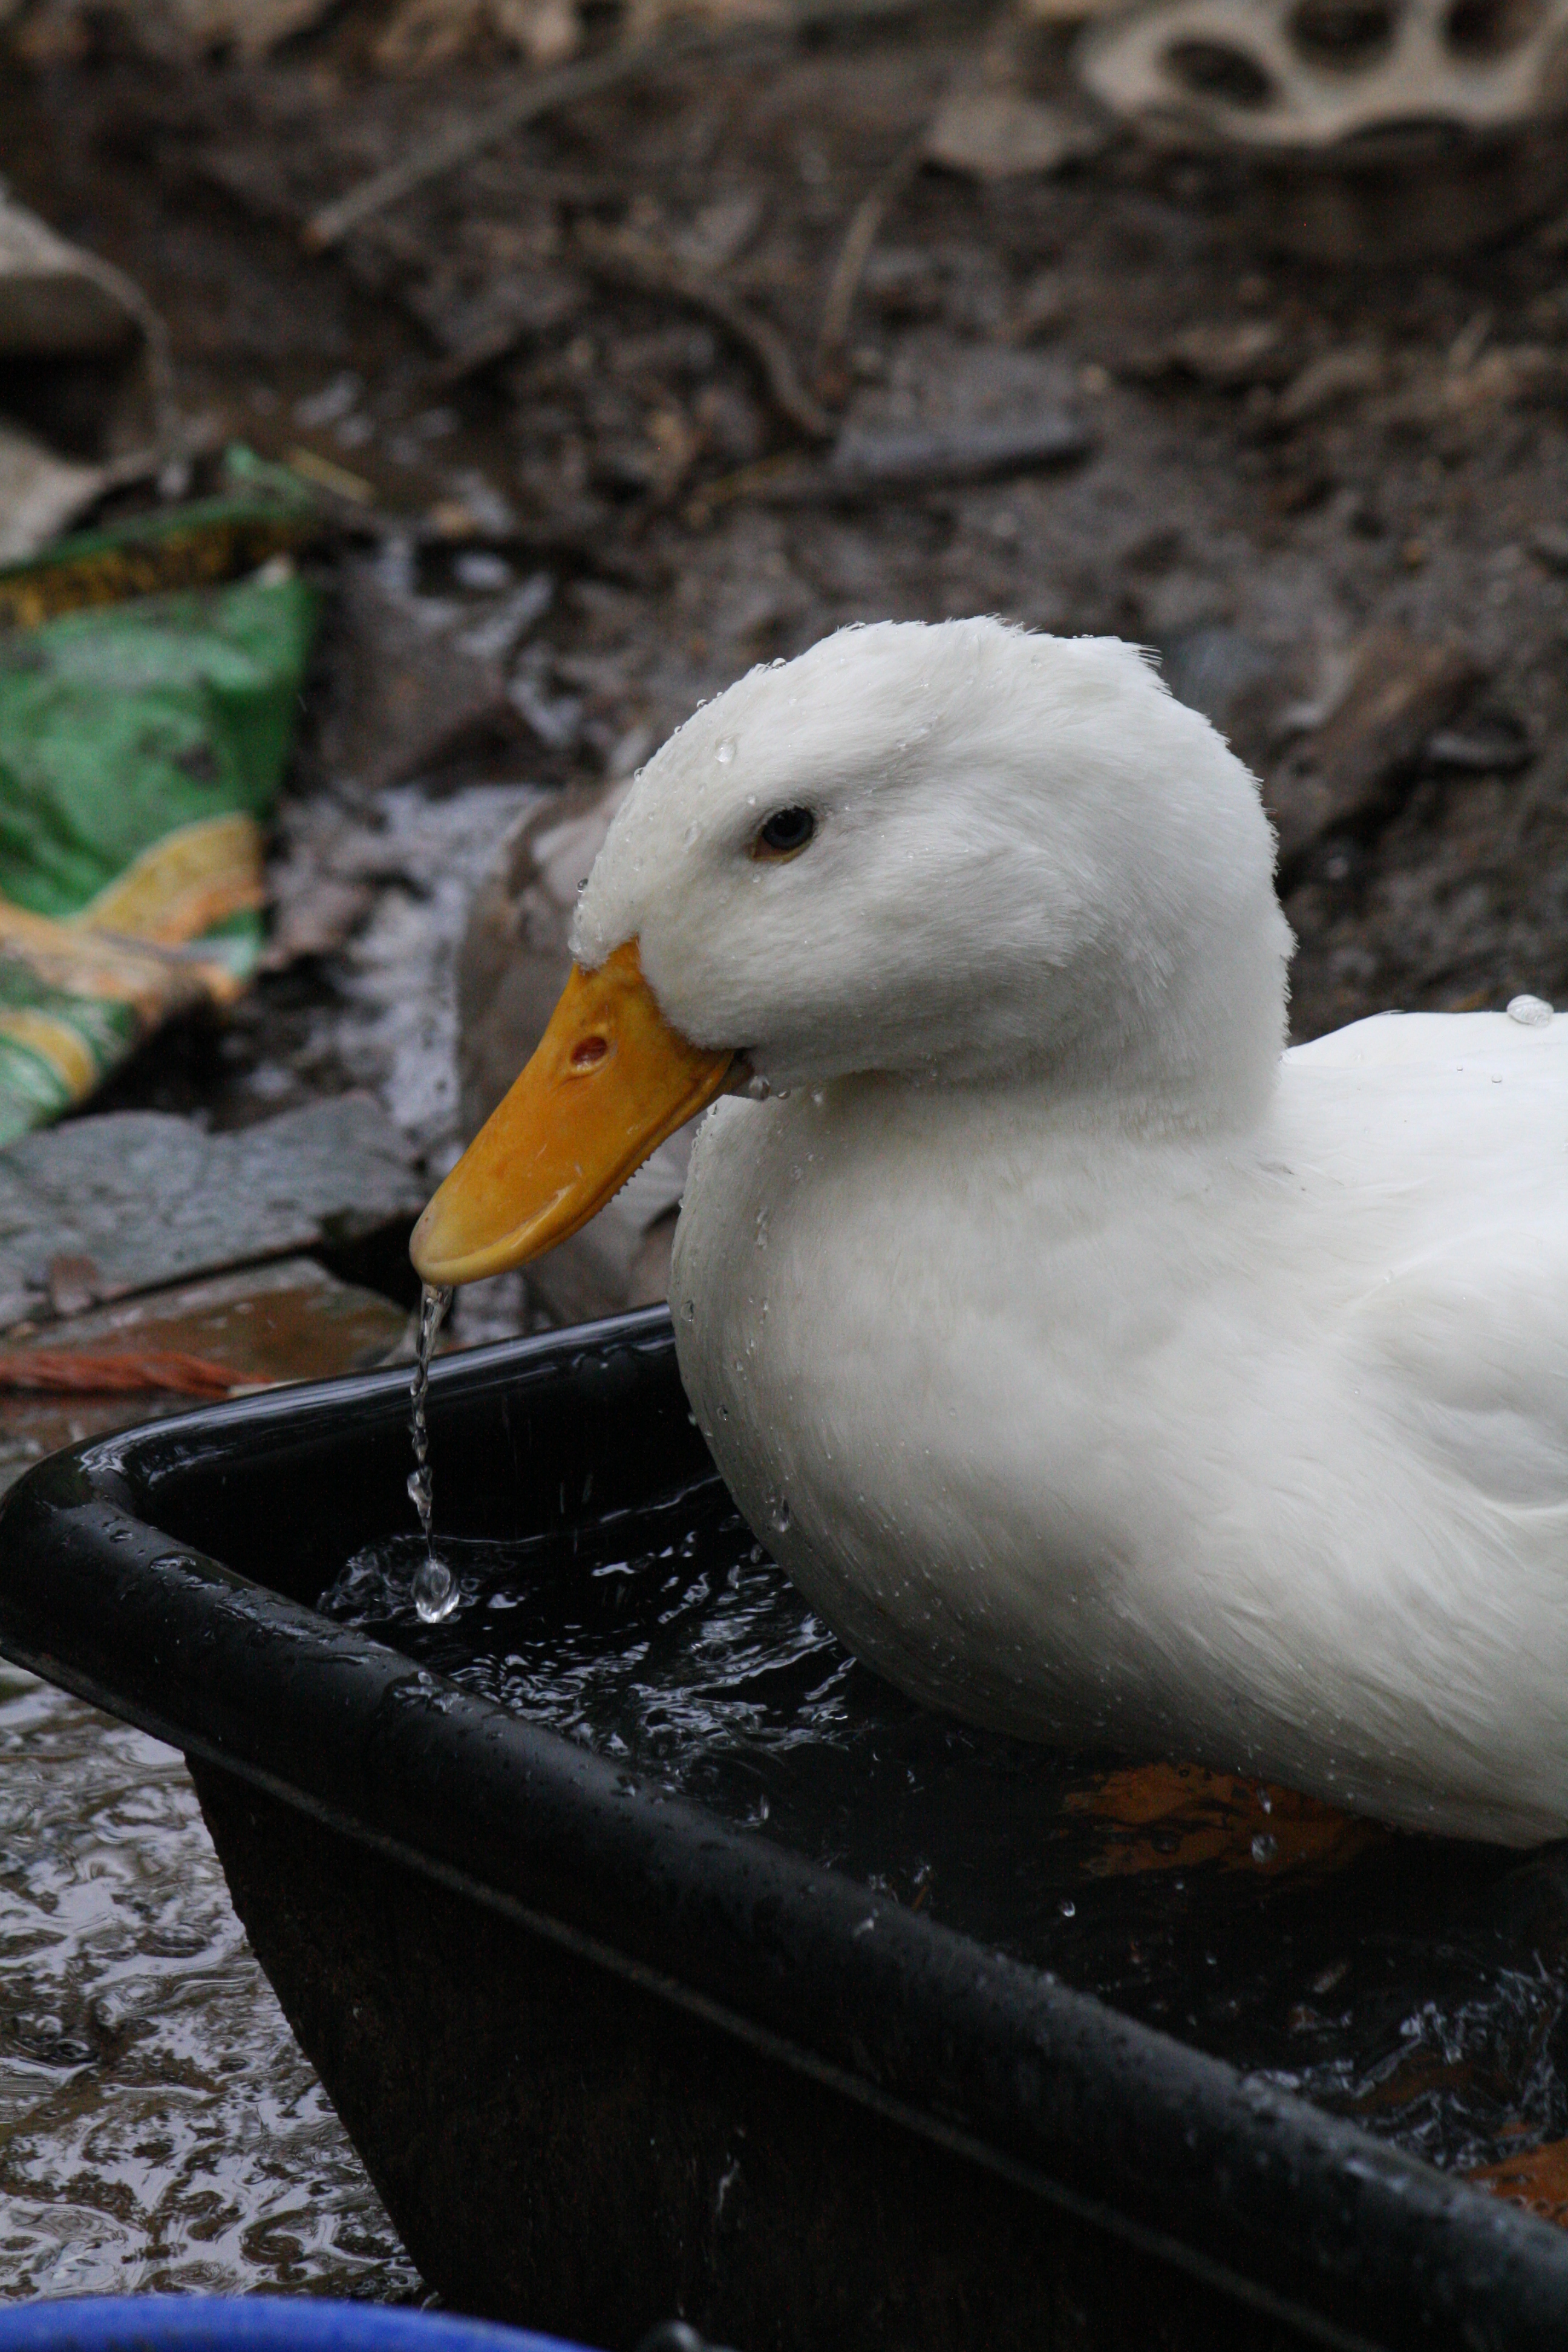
[(141, 748)]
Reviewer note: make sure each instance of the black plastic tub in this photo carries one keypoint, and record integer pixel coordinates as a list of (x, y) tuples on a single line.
[(607, 2057)]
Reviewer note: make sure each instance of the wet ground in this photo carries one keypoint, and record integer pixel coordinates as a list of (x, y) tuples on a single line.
[(160, 2132), (1276, 462)]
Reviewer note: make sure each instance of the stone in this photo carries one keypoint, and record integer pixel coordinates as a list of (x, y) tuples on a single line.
[(999, 134), (149, 1198), (425, 679)]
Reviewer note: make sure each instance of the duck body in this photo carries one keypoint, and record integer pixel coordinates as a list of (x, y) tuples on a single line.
[(1252, 1449), (1098, 1369)]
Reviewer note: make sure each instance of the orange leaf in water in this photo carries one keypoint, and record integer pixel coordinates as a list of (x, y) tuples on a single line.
[(1189, 1816), (1537, 2178)]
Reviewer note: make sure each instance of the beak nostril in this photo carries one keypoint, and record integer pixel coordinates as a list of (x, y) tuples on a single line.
[(588, 1051)]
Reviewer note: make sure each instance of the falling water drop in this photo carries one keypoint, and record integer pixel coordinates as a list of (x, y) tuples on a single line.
[(779, 1514), (435, 1594), (1067, 1908), (726, 751), (1264, 1846)]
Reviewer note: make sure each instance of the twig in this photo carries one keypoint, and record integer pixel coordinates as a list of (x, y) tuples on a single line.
[(855, 252), (631, 260), (431, 159)]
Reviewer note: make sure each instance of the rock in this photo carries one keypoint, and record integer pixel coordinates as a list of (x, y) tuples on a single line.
[(1549, 541), (952, 412), (148, 1199), (395, 1028), (1489, 743), (1349, 777), (998, 134), (514, 958), (512, 969), (427, 680), (1219, 671), (1039, 310), (871, 464), (318, 881), (476, 328)]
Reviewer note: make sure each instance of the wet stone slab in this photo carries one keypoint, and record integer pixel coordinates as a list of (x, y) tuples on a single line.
[(77, 1197)]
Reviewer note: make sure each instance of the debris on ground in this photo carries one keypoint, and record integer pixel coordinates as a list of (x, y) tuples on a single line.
[(40, 495), (163, 1349), (392, 1026), (995, 134), (991, 125), (424, 683), (58, 302), (425, 34), (1274, 74), (1345, 779)]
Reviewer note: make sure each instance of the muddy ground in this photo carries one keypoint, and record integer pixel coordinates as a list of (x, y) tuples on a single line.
[(1281, 461)]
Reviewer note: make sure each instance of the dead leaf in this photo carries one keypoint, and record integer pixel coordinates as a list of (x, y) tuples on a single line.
[(1536, 2178), (101, 1372), (1176, 1816), (425, 34)]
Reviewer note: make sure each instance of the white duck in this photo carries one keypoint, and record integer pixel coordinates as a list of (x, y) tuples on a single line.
[(1097, 1370)]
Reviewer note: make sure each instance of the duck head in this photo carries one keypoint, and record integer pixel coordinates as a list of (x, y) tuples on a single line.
[(958, 855)]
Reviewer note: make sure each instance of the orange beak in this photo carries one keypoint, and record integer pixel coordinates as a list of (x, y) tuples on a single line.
[(610, 1080)]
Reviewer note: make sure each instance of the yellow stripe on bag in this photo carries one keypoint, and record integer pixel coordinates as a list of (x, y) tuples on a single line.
[(55, 1044), (86, 963), (183, 885)]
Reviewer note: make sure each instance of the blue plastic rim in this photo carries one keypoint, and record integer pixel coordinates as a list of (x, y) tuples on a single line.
[(260, 2322)]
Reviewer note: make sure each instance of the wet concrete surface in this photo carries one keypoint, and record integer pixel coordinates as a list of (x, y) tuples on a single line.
[(159, 2131)]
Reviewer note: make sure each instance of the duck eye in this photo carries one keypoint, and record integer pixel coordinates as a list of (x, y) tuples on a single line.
[(785, 831)]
